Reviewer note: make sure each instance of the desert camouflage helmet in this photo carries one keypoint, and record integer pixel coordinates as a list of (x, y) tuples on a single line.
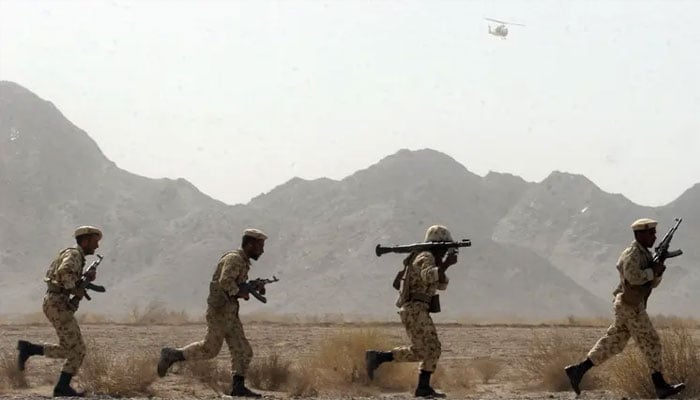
[(438, 233)]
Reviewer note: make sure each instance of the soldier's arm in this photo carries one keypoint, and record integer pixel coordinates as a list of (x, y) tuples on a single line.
[(632, 264), (230, 271), (429, 271), (69, 271)]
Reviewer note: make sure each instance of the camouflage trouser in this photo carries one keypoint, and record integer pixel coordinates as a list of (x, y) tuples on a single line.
[(71, 345), (425, 345), (630, 321), (223, 324)]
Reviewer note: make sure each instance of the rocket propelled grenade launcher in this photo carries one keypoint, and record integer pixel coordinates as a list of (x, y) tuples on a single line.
[(452, 247)]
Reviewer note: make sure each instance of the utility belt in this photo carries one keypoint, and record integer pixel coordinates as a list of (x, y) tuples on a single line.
[(433, 302)]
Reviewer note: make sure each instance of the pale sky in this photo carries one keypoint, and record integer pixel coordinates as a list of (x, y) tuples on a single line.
[(238, 97)]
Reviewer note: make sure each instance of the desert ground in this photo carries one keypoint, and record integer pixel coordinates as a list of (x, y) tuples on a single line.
[(300, 344)]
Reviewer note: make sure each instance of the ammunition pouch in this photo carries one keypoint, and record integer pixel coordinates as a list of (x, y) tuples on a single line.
[(433, 302), (397, 280), (434, 306)]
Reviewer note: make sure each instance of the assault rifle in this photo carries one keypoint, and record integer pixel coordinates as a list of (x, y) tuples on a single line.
[(661, 252), (256, 287), (85, 284), (453, 247)]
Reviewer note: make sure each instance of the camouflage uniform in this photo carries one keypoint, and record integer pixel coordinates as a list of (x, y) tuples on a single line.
[(639, 275), (631, 319), (61, 278), (420, 284), (222, 315)]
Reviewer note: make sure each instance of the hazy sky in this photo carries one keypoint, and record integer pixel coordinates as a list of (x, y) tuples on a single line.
[(238, 97)]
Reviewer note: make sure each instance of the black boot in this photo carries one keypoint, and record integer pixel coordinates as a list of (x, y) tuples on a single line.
[(375, 358), (63, 388), (168, 357), (424, 389), (663, 389), (576, 372), (26, 350), (239, 388)]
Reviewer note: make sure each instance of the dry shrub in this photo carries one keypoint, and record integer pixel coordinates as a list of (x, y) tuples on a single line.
[(10, 376), (454, 380), (662, 321), (547, 356), (304, 381), (118, 375), (339, 364), (487, 368), (573, 320), (270, 373), (156, 313), (340, 360), (630, 374), (209, 372)]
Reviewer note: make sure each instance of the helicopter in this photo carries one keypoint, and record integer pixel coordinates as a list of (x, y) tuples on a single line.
[(500, 30)]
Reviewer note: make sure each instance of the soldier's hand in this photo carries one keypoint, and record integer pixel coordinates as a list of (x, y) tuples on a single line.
[(90, 275), (74, 303), (658, 268), (80, 292), (451, 259), (243, 294)]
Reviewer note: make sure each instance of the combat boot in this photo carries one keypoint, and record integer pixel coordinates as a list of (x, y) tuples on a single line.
[(168, 357), (26, 350), (373, 359), (663, 389), (576, 372), (238, 389), (63, 388), (424, 389)]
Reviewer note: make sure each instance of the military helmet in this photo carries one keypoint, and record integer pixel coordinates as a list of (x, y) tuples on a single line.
[(438, 233)]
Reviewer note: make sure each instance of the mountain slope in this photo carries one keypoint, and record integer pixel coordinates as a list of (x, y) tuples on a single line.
[(163, 237)]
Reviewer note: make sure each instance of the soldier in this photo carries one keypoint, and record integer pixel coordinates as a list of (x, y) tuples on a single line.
[(423, 275), (63, 280), (639, 274), (222, 315)]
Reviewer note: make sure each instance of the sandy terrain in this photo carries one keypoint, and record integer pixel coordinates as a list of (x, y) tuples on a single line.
[(461, 344)]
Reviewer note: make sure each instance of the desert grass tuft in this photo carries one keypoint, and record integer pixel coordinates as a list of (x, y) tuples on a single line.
[(487, 368), (304, 382), (547, 356), (269, 373), (118, 375), (213, 374), (10, 376), (340, 361), (450, 379), (339, 365), (629, 373)]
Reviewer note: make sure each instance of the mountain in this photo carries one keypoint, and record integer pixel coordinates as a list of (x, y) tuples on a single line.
[(163, 237), (582, 230)]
